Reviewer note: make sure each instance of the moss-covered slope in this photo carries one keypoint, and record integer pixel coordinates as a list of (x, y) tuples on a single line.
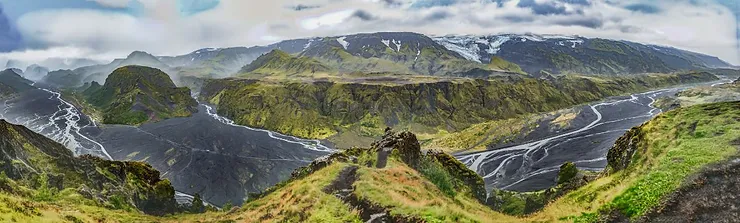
[(404, 53), (498, 63), (279, 63), (323, 109), (37, 168), (134, 95)]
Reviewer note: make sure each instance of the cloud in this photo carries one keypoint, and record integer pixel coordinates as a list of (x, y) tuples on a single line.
[(113, 3), (301, 7), (644, 8), (161, 27), (10, 39), (191, 7)]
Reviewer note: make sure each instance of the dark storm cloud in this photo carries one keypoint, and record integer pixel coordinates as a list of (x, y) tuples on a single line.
[(10, 39), (577, 2), (585, 22), (364, 15), (438, 15), (546, 8), (517, 19), (432, 3), (644, 8), (301, 7)]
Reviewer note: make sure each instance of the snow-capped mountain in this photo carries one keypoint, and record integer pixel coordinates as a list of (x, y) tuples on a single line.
[(561, 53)]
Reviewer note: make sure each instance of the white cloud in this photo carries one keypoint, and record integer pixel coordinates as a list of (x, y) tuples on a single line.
[(705, 28)]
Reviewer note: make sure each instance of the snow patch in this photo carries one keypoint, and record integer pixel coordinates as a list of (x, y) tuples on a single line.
[(575, 42), (305, 47), (398, 45), (495, 46), (418, 52), (345, 44), (466, 46), (387, 43)]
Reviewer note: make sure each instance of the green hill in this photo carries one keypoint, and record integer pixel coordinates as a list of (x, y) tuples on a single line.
[(498, 63), (134, 95), (279, 63), (353, 114), (36, 170)]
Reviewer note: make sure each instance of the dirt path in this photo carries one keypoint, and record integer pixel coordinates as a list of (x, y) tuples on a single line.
[(342, 188)]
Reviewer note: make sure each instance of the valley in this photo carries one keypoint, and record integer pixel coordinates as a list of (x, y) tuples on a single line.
[(369, 127), (193, 158), (534, 165)]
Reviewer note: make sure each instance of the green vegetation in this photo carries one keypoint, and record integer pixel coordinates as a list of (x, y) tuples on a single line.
[(281, 64), (134, 95), (425, 58), (701, 135), (645, 166), (40, 170), (567, 172), (498, 63), (325, 109), (606, 45)]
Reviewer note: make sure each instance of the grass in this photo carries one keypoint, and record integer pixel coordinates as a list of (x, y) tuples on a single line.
[(477, 137), (299, 201), (672, 153), (406, 192)]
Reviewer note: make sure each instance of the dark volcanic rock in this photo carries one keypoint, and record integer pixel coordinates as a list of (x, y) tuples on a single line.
[(711, 196), (620, 156), (405, 143)]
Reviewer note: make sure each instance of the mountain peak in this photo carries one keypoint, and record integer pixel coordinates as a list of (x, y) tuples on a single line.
[(278, 61), (137, 94), (138, 54)]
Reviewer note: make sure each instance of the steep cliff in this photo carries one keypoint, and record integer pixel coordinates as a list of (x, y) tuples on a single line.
[(134, 95), (323, 109), (40, 169)]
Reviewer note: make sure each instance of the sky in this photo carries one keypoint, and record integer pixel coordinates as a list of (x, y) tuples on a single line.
[(33, 30)]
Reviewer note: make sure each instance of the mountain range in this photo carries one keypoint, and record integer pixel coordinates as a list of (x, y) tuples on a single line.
[(418, 54), (455, 55)]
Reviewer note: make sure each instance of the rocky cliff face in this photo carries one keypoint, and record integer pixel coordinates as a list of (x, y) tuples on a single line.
[(37, 162), (134, 95), (319, 109)]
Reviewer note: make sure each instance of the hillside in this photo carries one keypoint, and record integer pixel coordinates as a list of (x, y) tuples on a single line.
[(469, 55), (134, 95), (654, 171), (12, 82), (35, 72), (280, 63), (353, 114), (558, 54), (99, 72), (36, 172)]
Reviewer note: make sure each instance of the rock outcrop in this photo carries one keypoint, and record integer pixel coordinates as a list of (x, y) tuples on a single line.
[(133, 95), (35, 161), (620, 155)]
